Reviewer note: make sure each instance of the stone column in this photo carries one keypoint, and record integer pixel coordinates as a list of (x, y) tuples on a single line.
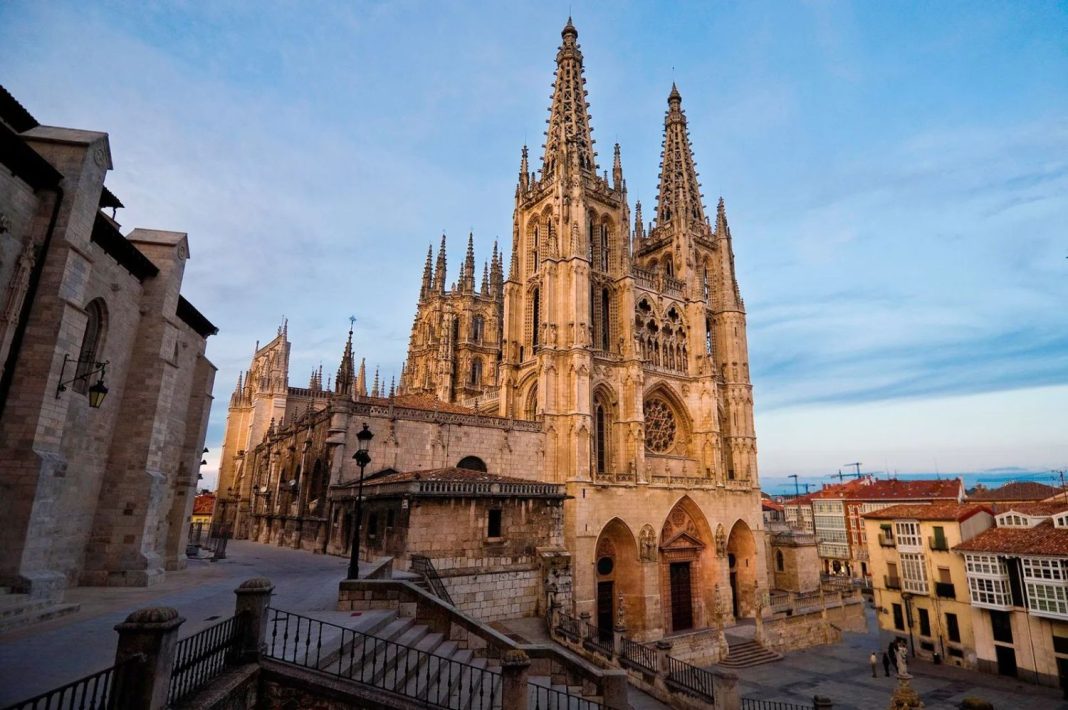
[(253, 596), (149, 636), (614, 692), (514, 667), (663, 652), (725, 691)]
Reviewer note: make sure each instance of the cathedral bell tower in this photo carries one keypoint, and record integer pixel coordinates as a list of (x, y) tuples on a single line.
[(570, 253)]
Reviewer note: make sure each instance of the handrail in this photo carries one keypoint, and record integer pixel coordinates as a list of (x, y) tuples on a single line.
[(637, 654), (203, 656), (436, 681), (696, 681), (96, 690), (422, 565), (599, 639)]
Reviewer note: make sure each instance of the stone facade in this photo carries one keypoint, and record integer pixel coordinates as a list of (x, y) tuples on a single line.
[(612, 360), (98, 496)]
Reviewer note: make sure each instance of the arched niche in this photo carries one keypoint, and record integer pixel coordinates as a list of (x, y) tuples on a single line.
[(742, 563), (617, 577)]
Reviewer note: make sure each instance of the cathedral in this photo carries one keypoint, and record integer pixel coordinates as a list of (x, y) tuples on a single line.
[(597, 382)]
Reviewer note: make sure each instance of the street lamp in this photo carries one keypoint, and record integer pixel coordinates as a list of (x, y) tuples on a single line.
[(362, 458)]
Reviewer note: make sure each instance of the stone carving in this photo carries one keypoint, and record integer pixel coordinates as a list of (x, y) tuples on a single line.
[(648, 544)]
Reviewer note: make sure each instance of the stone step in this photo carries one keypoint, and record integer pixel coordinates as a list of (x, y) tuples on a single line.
[(17, 610), (748, 653)]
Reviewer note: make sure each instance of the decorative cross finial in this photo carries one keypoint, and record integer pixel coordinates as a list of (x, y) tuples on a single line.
[(352, 323)]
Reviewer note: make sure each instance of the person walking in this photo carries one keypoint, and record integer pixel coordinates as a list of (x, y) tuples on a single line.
[(874, 661), (886, 663)]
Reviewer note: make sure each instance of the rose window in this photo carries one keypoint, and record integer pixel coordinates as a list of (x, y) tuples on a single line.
[(660, 426)]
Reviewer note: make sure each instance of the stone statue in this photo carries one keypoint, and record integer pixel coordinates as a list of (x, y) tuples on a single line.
[(902, 664), (648, 544)]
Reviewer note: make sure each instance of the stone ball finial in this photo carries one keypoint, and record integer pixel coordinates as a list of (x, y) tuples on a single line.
[(152, 615), (515, 657)]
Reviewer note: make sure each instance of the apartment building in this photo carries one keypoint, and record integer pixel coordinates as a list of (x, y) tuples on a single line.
[(919, 583), (1017, 578)]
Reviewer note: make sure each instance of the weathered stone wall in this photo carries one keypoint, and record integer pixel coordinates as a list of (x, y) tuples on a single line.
[(501, 594), (790, 633)]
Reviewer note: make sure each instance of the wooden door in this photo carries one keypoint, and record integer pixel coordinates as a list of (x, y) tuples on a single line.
[(604, 610), (681, 597)]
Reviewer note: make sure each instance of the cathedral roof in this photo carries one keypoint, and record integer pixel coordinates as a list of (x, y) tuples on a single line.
[(419, 401), (450, 473)]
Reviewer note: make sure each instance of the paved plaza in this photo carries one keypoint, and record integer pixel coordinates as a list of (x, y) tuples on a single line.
[(41, 657), (841, 673)]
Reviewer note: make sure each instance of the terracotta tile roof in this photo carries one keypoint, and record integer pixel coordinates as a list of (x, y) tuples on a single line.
[(445, 474), (1031, 507), (204, 504), (768, 504), (418, 401), (1017, 490), (942, 510), (1043, 539), (897, 489)]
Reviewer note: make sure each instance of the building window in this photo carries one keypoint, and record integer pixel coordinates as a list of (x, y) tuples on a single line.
[(952, 628), (925, 623), (476, 372), (988, 580), (779, 562), (606, 338), (908, 534), (600, 426), (493, 524), (913, 573), (472, 463), (1001, 626), (899, 617), (536, 318), (92, 344), (477, 325), (660, 426), (372, 526)]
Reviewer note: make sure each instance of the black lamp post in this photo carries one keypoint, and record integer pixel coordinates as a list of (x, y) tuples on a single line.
[(362, 458)]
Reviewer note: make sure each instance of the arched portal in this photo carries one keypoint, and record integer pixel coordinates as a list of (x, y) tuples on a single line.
[(617, 578), (741, 558), (687, 568)]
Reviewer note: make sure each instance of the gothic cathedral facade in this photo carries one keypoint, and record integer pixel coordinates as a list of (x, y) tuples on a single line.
[(625, 346)]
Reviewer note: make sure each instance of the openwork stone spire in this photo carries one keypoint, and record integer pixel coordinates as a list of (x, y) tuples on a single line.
[(439, 269), (428, 273), (569, 120), (346, 371), (679, 196)]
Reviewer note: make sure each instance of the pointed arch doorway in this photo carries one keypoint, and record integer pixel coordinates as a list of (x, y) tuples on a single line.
[(617, 579), (687, 567)]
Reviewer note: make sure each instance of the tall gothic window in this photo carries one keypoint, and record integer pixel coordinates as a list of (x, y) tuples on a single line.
[(600, 425), (708, 336), (535, 325), (476, 372), (534, 252), (606, 339), (669, 267), (477, 325), (92, 343), (604, 248)]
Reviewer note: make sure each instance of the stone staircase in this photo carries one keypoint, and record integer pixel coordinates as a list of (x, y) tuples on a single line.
[(396, 653), (18, 610), (744, 653)]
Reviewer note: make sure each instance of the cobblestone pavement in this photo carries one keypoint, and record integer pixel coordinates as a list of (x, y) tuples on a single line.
[(841, 673), (41, 657)]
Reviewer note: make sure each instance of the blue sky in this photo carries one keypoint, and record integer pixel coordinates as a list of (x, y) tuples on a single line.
[(895, 174)]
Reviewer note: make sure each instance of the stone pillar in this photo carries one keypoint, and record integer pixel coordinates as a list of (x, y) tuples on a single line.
[(663, 652), (514, 667), (614, 692), (149, 635), (725, 691), (253, 596)]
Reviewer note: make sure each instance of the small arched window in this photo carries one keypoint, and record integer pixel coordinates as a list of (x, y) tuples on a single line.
[(780, 564), (472, 463), (669, 267), (604, 248), (534, 252), (92, 343), (476, 372), (477, 326)]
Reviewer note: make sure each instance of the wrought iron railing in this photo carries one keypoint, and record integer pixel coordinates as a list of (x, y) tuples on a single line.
[(96, 691), (540, 697), (757, 704), (598, 640), (204, 656), (691, 679), (406, 671), (422, 565), (938, 543), (945, 590), (637, 655), (568, 626)]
